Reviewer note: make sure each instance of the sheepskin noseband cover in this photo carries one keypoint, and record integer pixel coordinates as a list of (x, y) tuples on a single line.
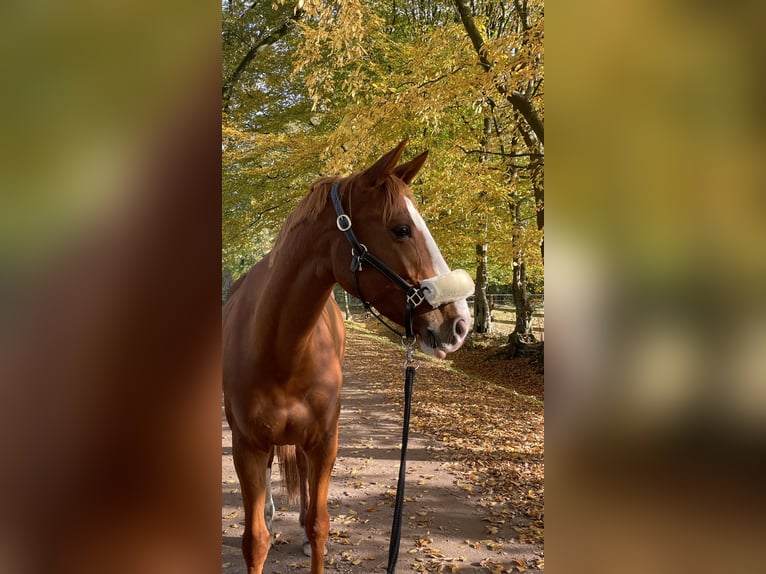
[(447, 288)]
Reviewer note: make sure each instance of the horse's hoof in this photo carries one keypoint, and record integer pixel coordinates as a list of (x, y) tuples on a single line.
[(307, 549)]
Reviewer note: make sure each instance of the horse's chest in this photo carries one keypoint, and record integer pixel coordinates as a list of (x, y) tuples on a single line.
[(295, 418)]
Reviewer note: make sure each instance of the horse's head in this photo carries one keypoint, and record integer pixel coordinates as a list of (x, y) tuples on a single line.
[(386, 222)]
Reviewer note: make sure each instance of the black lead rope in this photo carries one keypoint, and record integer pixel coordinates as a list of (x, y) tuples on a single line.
[(396, 526)]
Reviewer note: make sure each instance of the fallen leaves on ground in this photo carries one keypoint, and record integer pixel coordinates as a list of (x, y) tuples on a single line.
[(491, 418)]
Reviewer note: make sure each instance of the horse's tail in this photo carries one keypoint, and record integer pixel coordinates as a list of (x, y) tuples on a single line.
[(288, 466)]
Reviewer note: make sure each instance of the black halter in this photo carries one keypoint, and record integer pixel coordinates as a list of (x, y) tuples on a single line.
[(360, 255)]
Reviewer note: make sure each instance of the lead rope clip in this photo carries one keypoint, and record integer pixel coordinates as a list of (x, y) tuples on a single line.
[(409, 348)]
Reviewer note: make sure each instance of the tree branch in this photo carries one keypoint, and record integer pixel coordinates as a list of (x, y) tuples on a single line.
[(519, 101), (432, 81), (473, 34), (267, 40), (524, 107), (502, 154), (523, 14)]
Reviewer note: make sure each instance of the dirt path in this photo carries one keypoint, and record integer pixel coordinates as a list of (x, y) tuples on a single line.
[(445, 529)]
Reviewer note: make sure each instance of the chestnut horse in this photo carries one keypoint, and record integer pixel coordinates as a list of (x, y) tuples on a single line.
[(284, 336)]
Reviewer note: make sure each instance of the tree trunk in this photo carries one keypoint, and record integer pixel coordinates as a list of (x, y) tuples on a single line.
[(536, 176), (482, 322), (481, 311), (522, 301), (345, 306), (522, 341)]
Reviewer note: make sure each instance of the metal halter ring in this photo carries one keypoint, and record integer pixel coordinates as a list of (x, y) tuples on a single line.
[(343, 222), (362, 248), (415, 297)]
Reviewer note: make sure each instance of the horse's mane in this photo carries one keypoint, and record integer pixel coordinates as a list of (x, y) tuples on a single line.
[(315, 201)]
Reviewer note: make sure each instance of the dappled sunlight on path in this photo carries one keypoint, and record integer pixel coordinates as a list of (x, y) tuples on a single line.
[(457, 515)]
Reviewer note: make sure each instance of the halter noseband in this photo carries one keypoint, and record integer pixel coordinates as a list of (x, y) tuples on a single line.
[(360, 254)]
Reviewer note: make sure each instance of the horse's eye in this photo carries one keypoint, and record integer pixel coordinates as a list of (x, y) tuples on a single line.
[(402, 231)]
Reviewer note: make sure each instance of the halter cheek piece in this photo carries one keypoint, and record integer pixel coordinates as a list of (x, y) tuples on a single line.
[(438, 290)]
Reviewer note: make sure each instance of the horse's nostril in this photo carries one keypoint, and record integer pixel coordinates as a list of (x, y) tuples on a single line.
[(460, 327)]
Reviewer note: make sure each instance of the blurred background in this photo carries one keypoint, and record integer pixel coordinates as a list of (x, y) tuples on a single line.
[(109, 286), (656, 318)]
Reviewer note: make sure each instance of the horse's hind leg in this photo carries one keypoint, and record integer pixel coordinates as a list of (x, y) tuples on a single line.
[(303, 471), (251, 466), (268, 511)]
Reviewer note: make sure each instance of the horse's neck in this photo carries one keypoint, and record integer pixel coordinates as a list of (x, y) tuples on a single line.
[(293, 296)]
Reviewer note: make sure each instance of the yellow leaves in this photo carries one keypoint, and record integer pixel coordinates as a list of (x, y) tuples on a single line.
[(493, 567), (515, 565), (349, 556), (422, 541), (339, 37), (432, 559), (351, 517), (494, 545), (532, 533)]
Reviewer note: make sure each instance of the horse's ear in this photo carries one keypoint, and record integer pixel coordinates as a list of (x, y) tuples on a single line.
[(384, 167), (407, 171)]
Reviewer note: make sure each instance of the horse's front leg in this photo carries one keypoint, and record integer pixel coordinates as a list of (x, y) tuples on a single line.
[(251, 466), (317, 523)]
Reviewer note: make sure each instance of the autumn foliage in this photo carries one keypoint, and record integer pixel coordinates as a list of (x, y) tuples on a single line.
[(330, 85)]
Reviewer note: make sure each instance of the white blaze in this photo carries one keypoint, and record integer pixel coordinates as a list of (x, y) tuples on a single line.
[(437, 261)]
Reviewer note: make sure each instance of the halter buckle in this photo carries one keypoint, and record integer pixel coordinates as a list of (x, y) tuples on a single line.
[(343, 222)]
